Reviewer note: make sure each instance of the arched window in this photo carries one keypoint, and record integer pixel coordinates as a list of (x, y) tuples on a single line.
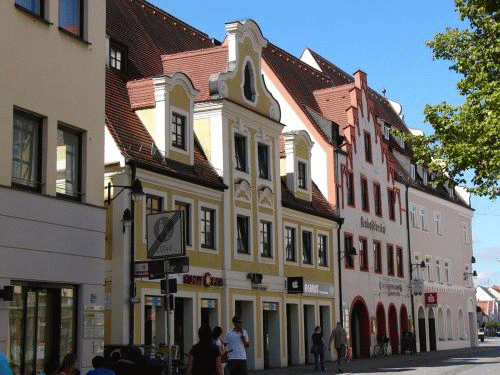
[(249, 83)]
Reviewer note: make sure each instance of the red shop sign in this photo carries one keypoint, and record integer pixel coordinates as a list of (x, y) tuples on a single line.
[(431, 298)]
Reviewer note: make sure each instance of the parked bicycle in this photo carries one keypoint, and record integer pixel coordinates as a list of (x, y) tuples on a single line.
[(380, 349)]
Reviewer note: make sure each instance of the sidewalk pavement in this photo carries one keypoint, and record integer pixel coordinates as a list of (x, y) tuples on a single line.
[(374, 364)]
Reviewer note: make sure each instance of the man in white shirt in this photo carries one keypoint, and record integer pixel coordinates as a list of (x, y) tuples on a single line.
[(238, 340)]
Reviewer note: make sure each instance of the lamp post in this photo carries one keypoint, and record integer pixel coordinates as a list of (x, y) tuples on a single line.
[(136, 192)]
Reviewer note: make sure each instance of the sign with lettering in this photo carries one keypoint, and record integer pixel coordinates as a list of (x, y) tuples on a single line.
[(392, 288), (431, 298), (165, 234), (372, 225), (318, 289), (295, 285)]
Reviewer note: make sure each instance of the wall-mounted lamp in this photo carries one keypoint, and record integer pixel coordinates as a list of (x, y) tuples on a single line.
[(135, 190), (350, 253), (473, 260), (126, 218), (415, 266), (467, 275)]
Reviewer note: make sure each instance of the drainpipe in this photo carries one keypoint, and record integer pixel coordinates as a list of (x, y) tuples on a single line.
[(339, 260), (409, 258), (132, 259)]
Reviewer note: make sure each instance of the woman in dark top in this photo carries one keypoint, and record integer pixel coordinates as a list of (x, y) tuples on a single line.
[(204, 357)]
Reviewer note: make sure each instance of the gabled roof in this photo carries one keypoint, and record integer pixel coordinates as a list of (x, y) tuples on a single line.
[(319, 205), (148, 33)]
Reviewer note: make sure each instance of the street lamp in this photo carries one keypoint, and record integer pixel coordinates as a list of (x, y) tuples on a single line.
[(136, 192), (468, 275)]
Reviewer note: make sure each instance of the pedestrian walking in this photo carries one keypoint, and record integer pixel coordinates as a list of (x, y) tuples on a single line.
[(68, 365), (98, 363), (204, 357), (223, 346), (318, 349), (339, 339), (238, 340)]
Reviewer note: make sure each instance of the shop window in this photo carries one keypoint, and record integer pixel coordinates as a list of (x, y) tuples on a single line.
[(43, 325)]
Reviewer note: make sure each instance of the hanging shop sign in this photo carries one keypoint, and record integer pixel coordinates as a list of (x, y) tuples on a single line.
[(295, 285), (270, 306), (431, 298), (206, 280)]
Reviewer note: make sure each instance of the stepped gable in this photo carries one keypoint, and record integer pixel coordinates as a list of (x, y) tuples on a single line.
[(334, 103), (318, 206), (148, 32), (198, 66)]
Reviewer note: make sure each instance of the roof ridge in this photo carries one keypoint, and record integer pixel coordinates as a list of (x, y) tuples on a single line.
[(173, 18), (299, 61), (332, 89), (315, 54), (195, 52)]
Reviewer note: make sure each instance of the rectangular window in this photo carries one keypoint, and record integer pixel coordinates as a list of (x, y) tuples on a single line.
[(263, 151), (348, 245), (71, 16), (243, 228), (266, 242), (377, 255), (422, 218), (365, 202), (368, 147), (350, 189), (399, 261), (34, 6), (154, 204), (430, 273), (438, 271), (322, 250), (426, 177), (378, 199), (302, 175), (240, 152), (438, 222), (413, 171), (207, 227), (401, 141), (27, 151), (387, 131), (447, 278), (290, 244), (178, 131), (69, 168), (186, 208), (465, 231), (413, 215), (43, 325), (390, 260), (306, 247), (363, 254), (118, 56), (391, 200)]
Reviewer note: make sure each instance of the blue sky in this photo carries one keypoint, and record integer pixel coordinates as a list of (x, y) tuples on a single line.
[(386, 39)]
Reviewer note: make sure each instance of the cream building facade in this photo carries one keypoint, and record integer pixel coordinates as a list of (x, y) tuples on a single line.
[(52, 246)]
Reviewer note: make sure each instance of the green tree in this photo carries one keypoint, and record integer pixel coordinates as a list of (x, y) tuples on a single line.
[(467, 137)]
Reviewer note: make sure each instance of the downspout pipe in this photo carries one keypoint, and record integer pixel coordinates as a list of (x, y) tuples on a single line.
[(133, 172), (339, 260), (409, 257)]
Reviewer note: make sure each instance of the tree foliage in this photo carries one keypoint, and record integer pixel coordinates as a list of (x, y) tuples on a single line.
[(467, 137)]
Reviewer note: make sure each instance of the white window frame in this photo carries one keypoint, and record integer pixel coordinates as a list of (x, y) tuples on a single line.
[(187, 131), (438, 221), (307, 176), (422, 218), (447, 273), (215, 208), (430, 273), (401, 141), (425, 177), (439, 270), (192, 207), (247, 151), (413, 171), (465, 231), (323, 233), (269, 219), (247, 213), (294, 226), (420, 273), (413, 215), (387, 131)]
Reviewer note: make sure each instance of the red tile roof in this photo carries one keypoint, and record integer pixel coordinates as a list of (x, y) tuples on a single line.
[(141, 93), (198, 65), (319, 205)]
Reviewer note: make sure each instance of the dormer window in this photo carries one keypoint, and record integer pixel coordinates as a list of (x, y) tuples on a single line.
[(413, 171), (117, 56), (387, 131), (249, 83), (401, 142), (426, 177), (178, 131), (302, 175)]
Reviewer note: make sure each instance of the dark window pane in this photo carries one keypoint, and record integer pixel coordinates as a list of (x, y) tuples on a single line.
[(263, 151), (365, 203), (70, 16), (368, 147), (249, 84), (302, 181), (34, 6), (266, 239), (378, 257), (307, 247), (207, 228), (178, 131), (378, 199), (322, 250), (243, 245), (290, 244), (363, 254), (350, 188), (390, 260), (240, 149), (186, 208), (349, 260)]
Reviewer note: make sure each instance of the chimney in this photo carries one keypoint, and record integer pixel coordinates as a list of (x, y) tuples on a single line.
[(360, 79)]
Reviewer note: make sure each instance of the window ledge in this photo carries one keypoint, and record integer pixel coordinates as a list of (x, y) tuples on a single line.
[(32, 14), (64, 31)]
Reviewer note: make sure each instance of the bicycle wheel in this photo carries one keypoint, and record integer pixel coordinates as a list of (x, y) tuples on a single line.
[(380, 350)]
